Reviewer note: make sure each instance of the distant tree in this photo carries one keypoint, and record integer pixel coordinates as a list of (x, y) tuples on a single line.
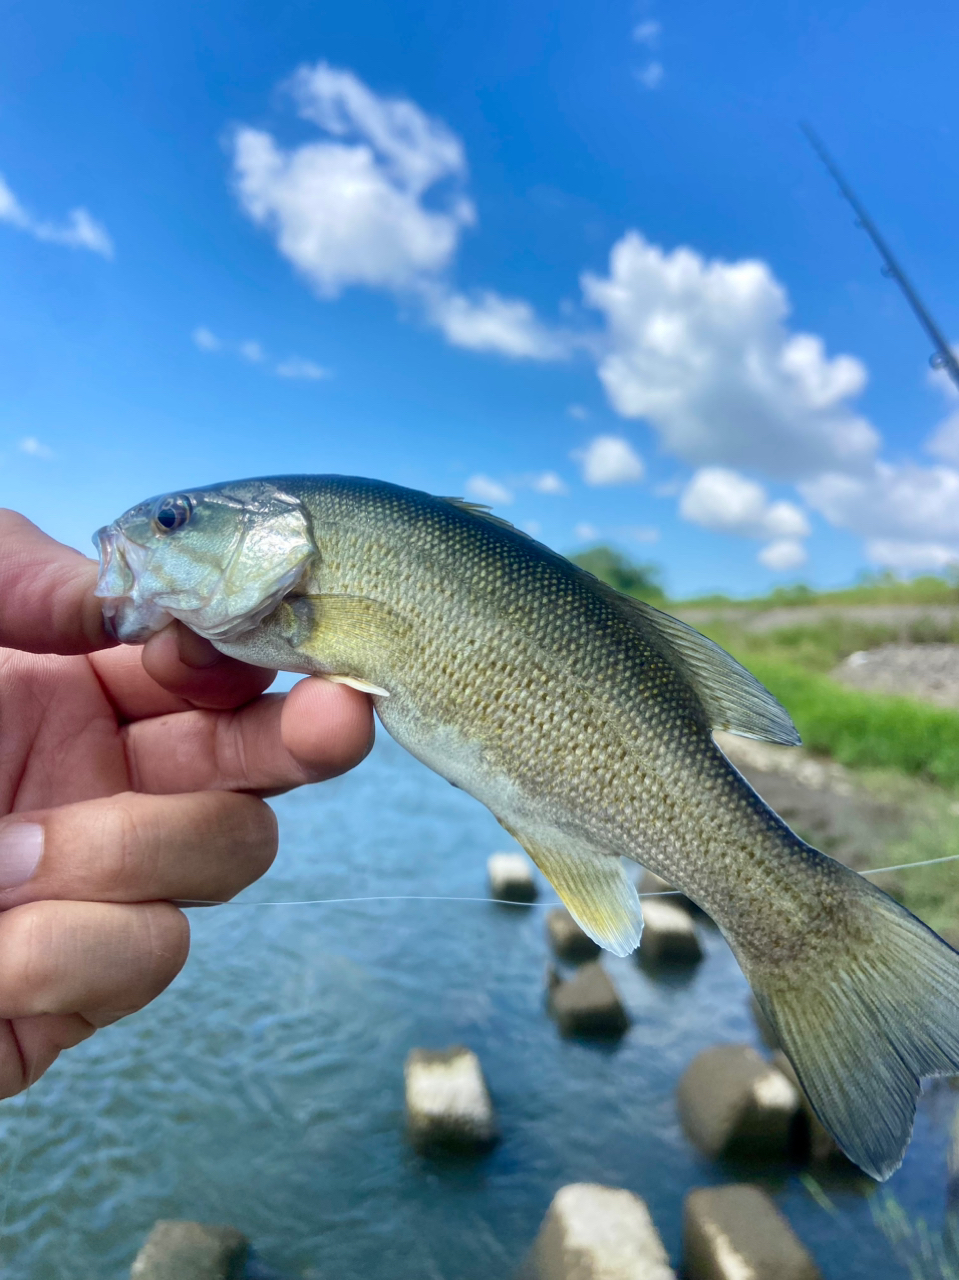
[(612, 567), (798, 593)]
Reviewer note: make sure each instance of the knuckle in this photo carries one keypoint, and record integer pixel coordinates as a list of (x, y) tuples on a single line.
[(246, 825), (129, 842), (164, 942), (28, 959)]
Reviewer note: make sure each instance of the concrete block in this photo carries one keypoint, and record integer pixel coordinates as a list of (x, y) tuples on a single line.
[(597, 1233), (447, 1101), (650, 882), (177, 1250), (511, 877), (819, 1142), (737, 1233), (669, 935), (588, 1004), (567, 938), (733, 1103)]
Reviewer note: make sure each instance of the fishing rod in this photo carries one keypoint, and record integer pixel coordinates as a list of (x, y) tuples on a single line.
[(943, 357)]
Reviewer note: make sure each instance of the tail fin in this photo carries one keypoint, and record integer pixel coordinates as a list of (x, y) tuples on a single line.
[(862, 1036)]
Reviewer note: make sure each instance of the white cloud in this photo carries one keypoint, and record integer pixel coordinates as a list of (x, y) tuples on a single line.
[(911, 557), (32, 446), (379, 201), (944, 442), (945, 439), (609, 460), (489, 322), (79, 231), (782, 555), (648, 32), (578, 411), (205, 339), (701, 350), (726, 502), (651, 76), (254, 353), (908, 514), (483, 489), (297, 367), (251, 351), (351, 209), (586, 532), (11, 210), (641, 533), (906, 503), (550, 482)]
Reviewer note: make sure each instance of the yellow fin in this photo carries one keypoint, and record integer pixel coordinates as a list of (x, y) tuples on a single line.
[(594, 888), (364, 686), (344, 635)]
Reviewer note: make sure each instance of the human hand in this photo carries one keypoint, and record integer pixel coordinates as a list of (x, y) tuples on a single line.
[(128, 777)]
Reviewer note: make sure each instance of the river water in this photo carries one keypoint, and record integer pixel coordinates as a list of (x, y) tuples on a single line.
[(265, 1088)]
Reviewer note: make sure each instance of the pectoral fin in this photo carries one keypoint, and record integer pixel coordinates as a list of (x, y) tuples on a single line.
[(342, 634), (364, 686), (594, 888)]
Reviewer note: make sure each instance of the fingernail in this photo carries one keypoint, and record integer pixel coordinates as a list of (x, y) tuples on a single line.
[(21, 844)]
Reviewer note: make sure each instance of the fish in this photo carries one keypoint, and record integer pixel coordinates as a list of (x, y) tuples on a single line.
[(583, 719)]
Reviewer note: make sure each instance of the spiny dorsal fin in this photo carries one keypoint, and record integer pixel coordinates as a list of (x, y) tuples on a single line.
[(483, 512)]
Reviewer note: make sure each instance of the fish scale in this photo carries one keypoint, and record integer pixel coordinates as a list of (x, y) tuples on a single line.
[(583, 720)]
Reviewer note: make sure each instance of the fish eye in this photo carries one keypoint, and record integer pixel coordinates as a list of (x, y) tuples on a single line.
[(171, 514)]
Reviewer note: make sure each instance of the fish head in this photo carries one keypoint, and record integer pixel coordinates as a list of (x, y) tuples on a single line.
[(219, 559)]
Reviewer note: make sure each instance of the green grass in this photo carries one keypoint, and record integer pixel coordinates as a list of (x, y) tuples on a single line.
[(871, 589), (931, 892), (865, 730), (821, 646), (859, 729), (924, 1253)]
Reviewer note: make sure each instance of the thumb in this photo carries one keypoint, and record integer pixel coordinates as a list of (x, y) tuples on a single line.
[(47, 603)]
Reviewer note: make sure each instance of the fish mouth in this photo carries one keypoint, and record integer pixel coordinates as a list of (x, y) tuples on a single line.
[(126, 617)]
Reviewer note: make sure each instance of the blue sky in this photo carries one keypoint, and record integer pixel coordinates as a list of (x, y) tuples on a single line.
[(577, 260)]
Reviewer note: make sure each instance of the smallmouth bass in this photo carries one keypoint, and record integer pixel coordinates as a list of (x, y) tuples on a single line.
[(583, 720)]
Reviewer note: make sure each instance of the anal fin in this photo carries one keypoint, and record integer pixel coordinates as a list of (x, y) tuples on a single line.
[(594, 888)]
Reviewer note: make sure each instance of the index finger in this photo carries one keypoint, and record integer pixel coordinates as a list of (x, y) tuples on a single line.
[(46, 589)]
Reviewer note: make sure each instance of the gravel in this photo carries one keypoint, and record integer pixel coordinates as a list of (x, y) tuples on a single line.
[(926, 671)]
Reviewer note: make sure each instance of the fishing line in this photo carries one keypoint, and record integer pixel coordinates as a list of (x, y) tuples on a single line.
[(388, 897), (907, 866), (502, 902)]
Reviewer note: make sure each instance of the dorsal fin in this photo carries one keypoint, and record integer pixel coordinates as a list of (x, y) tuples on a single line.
[(483, 512), (733, 698)]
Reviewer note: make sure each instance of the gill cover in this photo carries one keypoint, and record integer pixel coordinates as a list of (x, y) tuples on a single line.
[(223, 564)]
